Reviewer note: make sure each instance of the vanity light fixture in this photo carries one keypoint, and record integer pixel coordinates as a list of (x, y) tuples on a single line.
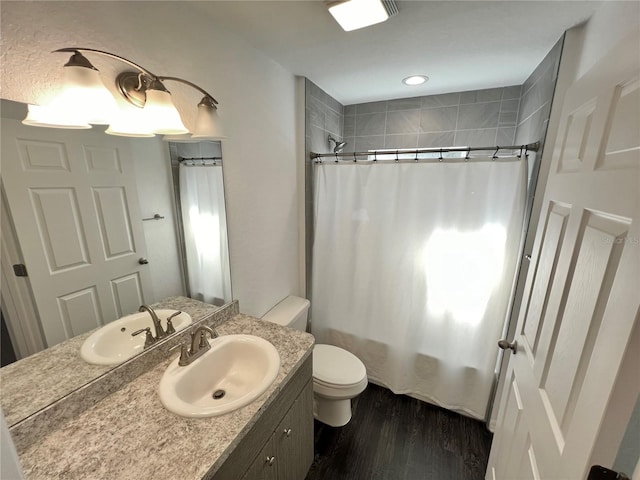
[(148, 110), (355, 14), (415, 80)]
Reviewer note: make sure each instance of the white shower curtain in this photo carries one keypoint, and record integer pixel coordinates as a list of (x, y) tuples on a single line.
[(413, 265), (205, 233)]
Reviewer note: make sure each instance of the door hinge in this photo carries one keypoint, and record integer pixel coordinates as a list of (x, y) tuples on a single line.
[(20, 270)]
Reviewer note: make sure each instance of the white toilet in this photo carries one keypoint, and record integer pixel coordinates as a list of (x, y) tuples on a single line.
[(338, 375)]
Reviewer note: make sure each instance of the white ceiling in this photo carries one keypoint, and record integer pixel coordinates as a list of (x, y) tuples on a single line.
[(458, 45)]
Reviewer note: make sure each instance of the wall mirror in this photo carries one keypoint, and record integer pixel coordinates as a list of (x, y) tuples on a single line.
[(101, 225)]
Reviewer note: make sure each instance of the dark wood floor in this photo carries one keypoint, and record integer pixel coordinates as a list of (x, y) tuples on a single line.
[(395, 437)]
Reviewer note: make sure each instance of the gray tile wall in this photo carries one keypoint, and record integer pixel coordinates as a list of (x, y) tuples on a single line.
[(537, 94), (474, 118), (324, 116)]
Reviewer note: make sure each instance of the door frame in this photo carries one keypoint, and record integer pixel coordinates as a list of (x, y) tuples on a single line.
[(16, 297)]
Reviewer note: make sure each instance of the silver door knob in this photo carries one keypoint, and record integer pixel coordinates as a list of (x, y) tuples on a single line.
[(505, 345), (143, 261)]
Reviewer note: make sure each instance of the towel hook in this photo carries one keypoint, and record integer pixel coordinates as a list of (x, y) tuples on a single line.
[(495, 154)]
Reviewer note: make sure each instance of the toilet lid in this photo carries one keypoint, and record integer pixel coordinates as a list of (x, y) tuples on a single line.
[(333, 365)]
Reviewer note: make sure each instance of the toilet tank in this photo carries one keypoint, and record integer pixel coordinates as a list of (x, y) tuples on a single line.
[(290, 312)]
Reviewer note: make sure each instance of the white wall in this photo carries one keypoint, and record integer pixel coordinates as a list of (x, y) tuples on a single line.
[(607, 27), (151, 164), (256, 98)]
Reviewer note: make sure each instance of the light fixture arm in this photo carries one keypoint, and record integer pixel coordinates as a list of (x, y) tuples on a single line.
[(83, 90), (126, 85), (110, 55), (187, 82)]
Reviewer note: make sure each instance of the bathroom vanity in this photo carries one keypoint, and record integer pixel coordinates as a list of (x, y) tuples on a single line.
[(129, 434), (283, 436)]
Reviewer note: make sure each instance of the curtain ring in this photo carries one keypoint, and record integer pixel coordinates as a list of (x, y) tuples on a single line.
[(375, 155), (520, 154), (416, 155), (466, 157), (526, 150), (354, 157), (495, 154), (440, 157), (336, 157)]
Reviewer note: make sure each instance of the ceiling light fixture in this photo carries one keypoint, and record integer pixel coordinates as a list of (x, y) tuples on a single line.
[(355, 14), (415, 80), (84, 100)]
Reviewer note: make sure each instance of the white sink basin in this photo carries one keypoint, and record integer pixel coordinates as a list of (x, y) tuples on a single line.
[(113, 343), (238, 369)]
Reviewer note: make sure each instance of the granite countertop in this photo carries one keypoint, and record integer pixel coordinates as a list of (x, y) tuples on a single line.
[(58, 370), (130, 435)]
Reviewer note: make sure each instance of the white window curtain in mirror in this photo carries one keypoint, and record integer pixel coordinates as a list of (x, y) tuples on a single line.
[(205, 233), (413, 266)]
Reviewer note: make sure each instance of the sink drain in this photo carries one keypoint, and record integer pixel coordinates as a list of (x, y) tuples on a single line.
[(218, 394)]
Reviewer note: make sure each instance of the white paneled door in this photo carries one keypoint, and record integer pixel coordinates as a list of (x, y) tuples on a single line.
[(73, 200), (577, 323)]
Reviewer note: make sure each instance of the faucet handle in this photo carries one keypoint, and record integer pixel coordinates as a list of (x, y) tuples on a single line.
[(170, 328), (148, 340), (184, 354)]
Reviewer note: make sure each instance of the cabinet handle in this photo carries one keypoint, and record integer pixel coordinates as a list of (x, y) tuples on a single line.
[(287, 432), (270, 461)]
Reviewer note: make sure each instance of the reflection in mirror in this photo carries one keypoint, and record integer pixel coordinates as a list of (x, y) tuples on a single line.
[(199, 190), (91, 219)]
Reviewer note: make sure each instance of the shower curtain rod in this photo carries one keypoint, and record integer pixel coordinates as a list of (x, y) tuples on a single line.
[(215, 161), (529, 147)]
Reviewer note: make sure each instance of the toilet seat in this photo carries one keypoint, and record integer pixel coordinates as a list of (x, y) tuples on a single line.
[(337, 372), (337, 392)]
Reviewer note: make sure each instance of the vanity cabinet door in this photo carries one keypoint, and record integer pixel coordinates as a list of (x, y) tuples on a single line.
[(265, 465), (282, 456), (294, 438)]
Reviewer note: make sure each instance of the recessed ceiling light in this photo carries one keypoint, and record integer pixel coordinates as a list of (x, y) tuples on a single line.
[(415, 80)]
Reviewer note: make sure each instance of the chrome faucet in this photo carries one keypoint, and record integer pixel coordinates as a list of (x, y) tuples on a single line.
[(160, 333), (199, 345)]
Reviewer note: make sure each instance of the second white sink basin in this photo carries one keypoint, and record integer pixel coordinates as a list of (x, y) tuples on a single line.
[(113, 343), (233, 373)]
